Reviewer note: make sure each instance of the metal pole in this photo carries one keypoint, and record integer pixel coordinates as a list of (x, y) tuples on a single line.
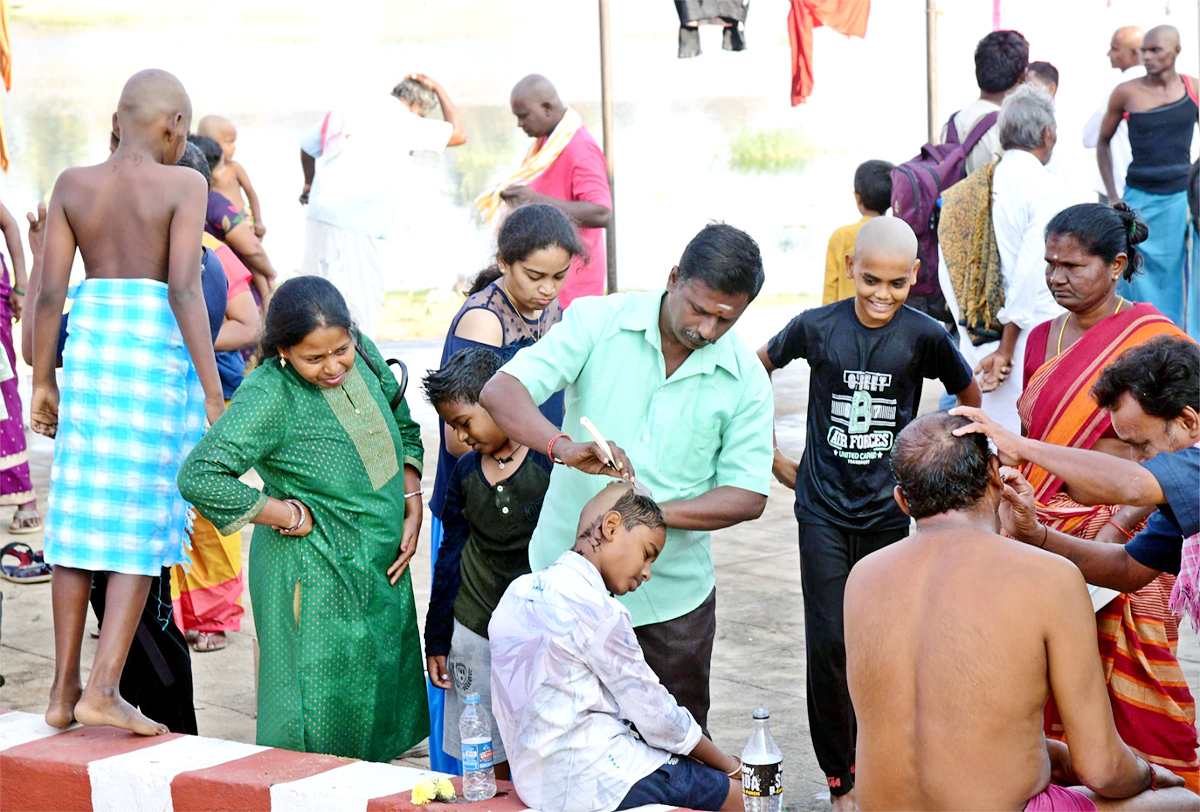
[(606, 104), (931, 68)]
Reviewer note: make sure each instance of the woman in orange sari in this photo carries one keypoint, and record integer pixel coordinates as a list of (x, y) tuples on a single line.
[(1088, 248)]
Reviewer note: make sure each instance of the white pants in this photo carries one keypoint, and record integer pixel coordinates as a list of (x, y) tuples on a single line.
[(354, 263)]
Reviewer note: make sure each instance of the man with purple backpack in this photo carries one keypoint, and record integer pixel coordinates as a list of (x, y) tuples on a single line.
[(969, 140)]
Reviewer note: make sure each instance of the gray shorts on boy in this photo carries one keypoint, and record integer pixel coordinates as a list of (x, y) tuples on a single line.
[(470, 666)]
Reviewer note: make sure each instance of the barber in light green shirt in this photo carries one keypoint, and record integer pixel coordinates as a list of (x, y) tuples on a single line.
[(686, 407)]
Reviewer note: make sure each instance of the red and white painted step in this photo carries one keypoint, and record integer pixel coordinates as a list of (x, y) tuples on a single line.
[(103, 769)]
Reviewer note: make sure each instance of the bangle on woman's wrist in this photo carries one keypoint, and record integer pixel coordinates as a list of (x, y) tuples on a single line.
[(298, 506), (18, 291), (1045, 536), (417, 492), (1124, 532), (291, 513), (550, 447), (1150, 767)]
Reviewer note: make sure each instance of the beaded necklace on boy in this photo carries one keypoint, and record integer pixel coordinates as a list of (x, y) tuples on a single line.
[(502, 461)]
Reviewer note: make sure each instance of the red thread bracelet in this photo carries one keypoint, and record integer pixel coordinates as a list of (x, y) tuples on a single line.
[(550, 447), (1124, 532)]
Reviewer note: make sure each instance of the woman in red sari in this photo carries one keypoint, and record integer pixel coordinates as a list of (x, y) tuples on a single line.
[(1088, 248)]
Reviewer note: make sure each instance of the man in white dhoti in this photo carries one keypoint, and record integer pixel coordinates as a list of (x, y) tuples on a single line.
[(354, 162)]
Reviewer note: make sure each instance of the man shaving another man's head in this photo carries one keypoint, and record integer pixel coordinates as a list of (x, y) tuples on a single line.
[(956, 636)]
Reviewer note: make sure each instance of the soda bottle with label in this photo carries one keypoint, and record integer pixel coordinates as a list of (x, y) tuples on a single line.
[(762, 768), (475, 733)]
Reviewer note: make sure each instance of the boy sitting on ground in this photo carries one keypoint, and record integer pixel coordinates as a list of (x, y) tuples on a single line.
[(955, 638), (873, 196), (568, 679), (493, 502), (230, 177)]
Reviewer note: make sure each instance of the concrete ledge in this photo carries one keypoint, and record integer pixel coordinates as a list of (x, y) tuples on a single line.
[(103, 769)]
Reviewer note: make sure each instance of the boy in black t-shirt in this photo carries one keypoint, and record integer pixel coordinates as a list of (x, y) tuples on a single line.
[(868, 357), (493, 502)]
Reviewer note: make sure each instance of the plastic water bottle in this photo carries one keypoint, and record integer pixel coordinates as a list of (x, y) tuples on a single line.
[(762, 768), (475, 733)]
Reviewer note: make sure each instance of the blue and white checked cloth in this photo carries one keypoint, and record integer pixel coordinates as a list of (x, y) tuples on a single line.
[(131, 409)]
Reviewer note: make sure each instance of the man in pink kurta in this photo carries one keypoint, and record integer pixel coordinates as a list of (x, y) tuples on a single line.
[(579, 173), (576, 183)]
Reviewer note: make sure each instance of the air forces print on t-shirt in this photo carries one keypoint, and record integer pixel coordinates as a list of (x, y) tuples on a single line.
[(864, 424)]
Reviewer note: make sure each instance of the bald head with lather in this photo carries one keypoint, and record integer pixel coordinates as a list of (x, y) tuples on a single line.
[(888, 237), (154, 110), (536, 105)]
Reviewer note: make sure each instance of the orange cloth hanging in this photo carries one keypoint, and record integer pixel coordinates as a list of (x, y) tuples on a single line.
[(847, 17), (6, 74)]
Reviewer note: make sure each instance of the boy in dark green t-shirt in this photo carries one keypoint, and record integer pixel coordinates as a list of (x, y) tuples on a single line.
[(493, 502)]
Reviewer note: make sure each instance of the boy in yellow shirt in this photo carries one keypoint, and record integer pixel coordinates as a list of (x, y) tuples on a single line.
[(873, 194)]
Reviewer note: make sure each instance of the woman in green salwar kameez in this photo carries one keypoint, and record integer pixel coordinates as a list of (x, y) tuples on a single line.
[(340, 668)]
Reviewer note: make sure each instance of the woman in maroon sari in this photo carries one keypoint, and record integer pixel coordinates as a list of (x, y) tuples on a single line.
[(1088, 248)]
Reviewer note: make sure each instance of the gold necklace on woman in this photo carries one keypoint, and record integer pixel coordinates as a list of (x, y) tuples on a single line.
[(1120, 301)]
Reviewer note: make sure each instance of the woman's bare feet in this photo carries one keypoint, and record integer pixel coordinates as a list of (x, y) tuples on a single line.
[(60, 712), (102, 708)]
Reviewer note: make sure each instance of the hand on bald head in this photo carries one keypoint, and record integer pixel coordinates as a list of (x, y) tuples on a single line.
[(886, 238), (601, 504), (154, 111), (937, 472)]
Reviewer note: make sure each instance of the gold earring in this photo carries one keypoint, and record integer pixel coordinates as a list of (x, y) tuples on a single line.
[(282, 361)]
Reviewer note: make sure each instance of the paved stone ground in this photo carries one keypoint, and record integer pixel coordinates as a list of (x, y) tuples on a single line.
[(758, 658)]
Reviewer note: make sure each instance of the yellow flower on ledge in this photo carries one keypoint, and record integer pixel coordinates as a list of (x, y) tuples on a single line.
[(445, 790), (426, 791)]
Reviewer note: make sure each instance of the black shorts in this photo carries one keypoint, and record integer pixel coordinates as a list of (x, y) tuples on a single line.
[(680, 782)]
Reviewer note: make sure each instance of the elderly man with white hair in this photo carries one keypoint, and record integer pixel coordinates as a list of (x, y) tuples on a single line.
[(1025, 195)]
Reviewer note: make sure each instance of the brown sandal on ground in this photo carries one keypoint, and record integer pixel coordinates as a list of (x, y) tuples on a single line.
[(209, 641)]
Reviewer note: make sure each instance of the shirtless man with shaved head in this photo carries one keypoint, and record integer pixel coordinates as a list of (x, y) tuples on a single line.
[(565, 168), (1124, 54), (1160, 109), (130, 403), (956, 636), (869, 356)]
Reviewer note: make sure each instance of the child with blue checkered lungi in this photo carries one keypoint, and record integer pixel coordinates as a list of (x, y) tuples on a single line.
[(139, 377)]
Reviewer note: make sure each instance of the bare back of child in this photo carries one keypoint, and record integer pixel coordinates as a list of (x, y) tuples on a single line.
[(135, 218), (230, 177)]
